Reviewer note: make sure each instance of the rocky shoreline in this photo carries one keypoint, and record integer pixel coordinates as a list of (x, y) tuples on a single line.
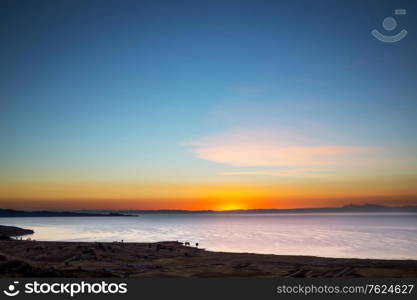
[(8, 232)]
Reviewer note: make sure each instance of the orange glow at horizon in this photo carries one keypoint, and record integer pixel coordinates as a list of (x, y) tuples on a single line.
[(209, 196), (230, 206)]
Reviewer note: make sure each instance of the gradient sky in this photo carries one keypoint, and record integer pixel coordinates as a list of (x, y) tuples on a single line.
[(206, 104)]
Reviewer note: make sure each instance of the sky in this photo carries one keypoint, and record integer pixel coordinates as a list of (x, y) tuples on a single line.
[(206, 104)]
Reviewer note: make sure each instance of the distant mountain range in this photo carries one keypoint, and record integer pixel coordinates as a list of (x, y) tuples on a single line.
[(367, 208), (11, 213), (345, 209)]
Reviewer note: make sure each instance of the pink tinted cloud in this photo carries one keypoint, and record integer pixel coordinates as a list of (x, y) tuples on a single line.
[(297, 172), (272, 150)]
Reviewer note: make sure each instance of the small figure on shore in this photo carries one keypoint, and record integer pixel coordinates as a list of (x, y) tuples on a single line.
[(196, 244), (160, 247), (101, 247)]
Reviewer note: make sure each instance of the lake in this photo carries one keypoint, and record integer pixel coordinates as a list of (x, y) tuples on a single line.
[(355, 235)]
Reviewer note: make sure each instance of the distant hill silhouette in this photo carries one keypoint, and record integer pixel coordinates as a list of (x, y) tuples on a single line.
[(345, 209), (366, 208), (11, 213)]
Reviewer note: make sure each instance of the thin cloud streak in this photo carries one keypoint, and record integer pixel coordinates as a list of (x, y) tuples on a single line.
[(272, 150), (276, 173)]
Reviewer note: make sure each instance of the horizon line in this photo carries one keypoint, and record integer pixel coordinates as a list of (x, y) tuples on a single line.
[(222, 211)]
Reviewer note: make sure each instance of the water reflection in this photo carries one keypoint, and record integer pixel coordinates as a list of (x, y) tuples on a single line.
[(332, 235)]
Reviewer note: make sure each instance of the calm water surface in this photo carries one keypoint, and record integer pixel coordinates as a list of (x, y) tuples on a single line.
[(332, 235)]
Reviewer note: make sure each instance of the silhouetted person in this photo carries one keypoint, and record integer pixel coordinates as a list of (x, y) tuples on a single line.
[(196, 244)]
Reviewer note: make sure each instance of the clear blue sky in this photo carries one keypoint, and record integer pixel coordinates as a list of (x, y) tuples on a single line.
[(126, 90)]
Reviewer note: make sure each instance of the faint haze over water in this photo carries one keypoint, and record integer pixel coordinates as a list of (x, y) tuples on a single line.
[(360, 235)]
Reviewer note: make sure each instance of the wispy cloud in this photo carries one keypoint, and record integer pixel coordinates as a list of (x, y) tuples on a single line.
[(274, 149), (298, 172)]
